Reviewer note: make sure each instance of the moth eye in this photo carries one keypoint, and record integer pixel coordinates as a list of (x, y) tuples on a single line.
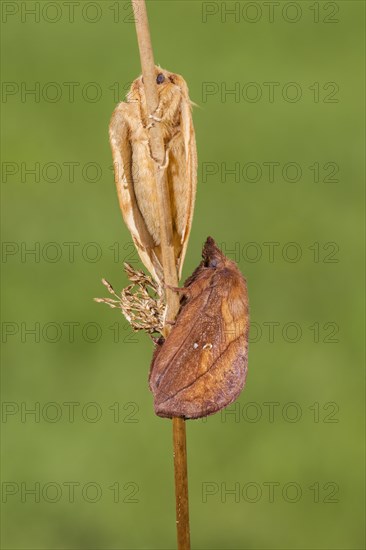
[(212, 263), (160, 78)]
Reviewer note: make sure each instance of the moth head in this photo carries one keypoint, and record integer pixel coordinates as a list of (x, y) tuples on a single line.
[(137, 90), (164, 79), (169, 86), (167, 83), (212, 255)]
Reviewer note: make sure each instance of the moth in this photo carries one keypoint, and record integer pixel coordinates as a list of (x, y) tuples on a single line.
[(202, 365), (135, 168)]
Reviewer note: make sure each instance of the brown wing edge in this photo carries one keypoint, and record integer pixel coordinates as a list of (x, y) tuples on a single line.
[(178, 406)]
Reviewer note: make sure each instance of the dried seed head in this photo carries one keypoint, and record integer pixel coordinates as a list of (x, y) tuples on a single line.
[(141, 303), (108, 285)]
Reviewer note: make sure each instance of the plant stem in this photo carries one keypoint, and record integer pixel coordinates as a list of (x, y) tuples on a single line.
[(168, 259), (181, 483)]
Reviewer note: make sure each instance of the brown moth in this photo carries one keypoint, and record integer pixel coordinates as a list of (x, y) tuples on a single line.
[(135, 168), (202, 365)]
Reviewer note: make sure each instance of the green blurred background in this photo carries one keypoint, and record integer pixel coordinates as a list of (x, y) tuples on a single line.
[(284, 470)]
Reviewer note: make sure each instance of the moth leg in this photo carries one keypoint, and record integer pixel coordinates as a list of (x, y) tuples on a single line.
[(175, 288), (153, 119), (166, 162), (184, 291), (175, 137), (158, 340), (156, 118)]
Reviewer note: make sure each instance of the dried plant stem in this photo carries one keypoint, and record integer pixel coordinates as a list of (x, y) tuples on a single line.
[(168, 258)]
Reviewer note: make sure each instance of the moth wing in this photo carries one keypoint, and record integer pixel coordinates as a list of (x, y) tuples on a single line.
[(215, 390), (166, 369), (191, 167), (119, 135), (202, 365)]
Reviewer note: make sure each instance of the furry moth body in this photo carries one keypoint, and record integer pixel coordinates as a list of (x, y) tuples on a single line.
[(201, 367), (135, 168)]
